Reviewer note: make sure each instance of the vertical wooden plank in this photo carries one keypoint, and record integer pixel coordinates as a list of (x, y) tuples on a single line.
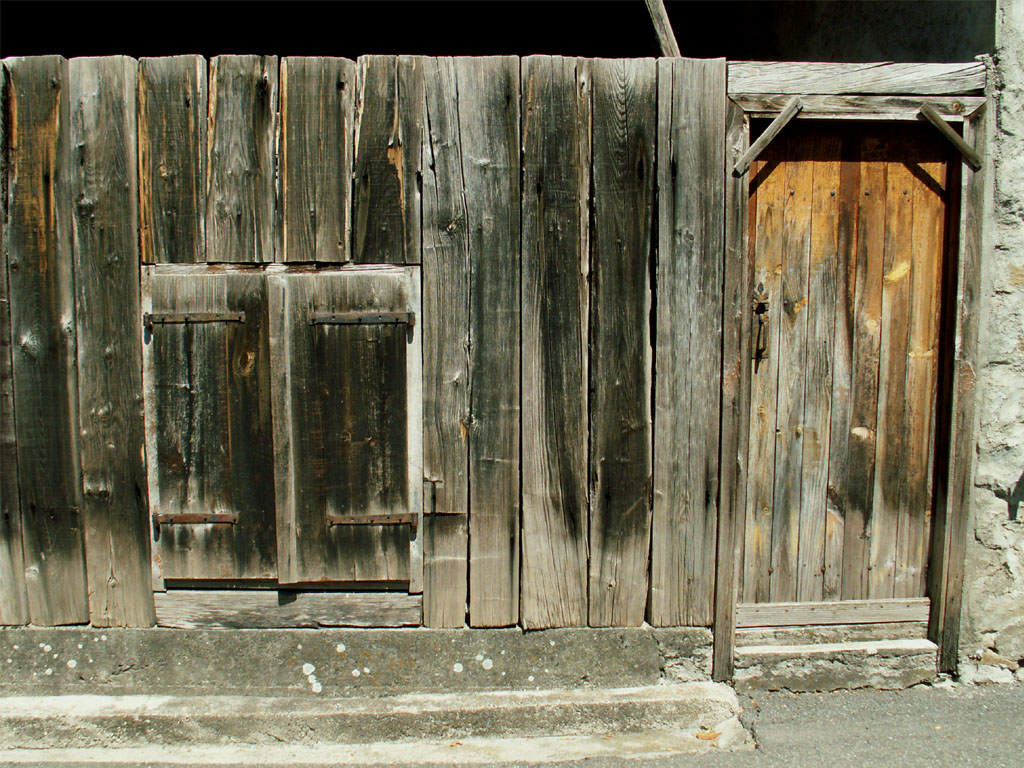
[(556, 295), (892, 369), (930, 192), (767, 189), (488, 93), (692, 116), (241, 195), (624, 120), (792, 361), (389, 120), (445, 352), (41, 279), (821, 307), (445, 555), (317, 96), (172, 159), (115, 504), (13, 600), (864, 391), (736, 367), (837, 494), (946, 583)]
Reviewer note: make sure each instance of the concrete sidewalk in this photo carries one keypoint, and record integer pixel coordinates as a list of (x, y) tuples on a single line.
[(925, 726)]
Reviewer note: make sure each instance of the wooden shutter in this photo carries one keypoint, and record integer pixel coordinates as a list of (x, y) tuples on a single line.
[(347, 441), (208, 421)]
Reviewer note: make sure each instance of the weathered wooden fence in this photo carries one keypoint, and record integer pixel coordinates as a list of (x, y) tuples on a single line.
[(560, 241)]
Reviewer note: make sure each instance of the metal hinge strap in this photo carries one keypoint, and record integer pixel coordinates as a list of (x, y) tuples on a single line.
[(184, 318), (363, 318)]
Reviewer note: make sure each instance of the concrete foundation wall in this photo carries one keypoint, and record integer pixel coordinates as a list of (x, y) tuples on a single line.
[(992, 629)]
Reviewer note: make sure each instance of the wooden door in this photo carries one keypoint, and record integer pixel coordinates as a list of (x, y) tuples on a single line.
[(347, 426), (848, 236), (206, 367)]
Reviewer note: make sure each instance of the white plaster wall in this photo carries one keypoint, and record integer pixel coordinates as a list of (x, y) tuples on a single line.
[(992, 628)]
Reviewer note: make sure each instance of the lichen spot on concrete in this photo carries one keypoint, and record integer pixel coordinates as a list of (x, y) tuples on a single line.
[(72, 663), (103, 638), (340, 647), (79, 646), (308, 669), (49, 670), (317, 687), (458, 667), (47, 648), (356, 673), (299, 646), (487, 664), (479, 657), (366, 670), (530, 678)]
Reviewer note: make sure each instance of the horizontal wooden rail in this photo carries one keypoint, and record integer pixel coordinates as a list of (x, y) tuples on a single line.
[(842, 612), (363, 318)]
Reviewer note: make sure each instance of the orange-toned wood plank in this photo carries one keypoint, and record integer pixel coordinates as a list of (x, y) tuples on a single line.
[(864, 391), (821, 302), (792, 361), (768, 182), (915, 493), (889, 442)]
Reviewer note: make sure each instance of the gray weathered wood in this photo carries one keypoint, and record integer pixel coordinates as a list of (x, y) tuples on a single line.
[(446, 567), (41, 283), (624, 124), (270, 609), (691, 153), (971, 155), (875, 77), (663, 28), (952, 505), (13, 600), (845, 612), (735, 396), (855, 107), (241, 194), (445, 304), (389, 125), (172, 159), (208, 422), (347, 423), (115, 504), (556, 298), (488, 90), (317, 95), (788, 112)]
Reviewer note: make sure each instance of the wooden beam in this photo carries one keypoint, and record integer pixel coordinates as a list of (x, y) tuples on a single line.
[(663, 28), (735, 416), (793, 106), (949, 542), (840, 612), (971, 155), (855, 107), (270, 609), (859, 78)]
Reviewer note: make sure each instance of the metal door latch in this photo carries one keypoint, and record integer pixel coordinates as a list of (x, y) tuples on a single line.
[(762, 336)]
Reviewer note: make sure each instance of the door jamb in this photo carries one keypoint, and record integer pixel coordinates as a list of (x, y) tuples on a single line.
[(955, 99)]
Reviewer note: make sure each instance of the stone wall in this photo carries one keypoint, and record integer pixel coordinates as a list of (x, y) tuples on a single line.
[(992, 629)]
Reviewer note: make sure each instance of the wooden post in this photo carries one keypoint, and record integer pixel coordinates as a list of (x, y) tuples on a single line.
[(115, 505), (735, 398)]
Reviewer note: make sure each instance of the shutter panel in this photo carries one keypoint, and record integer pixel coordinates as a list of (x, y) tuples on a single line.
[(208, 422), (348, 437)]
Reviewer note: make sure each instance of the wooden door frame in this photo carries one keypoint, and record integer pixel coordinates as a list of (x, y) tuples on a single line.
[(885, 92)]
